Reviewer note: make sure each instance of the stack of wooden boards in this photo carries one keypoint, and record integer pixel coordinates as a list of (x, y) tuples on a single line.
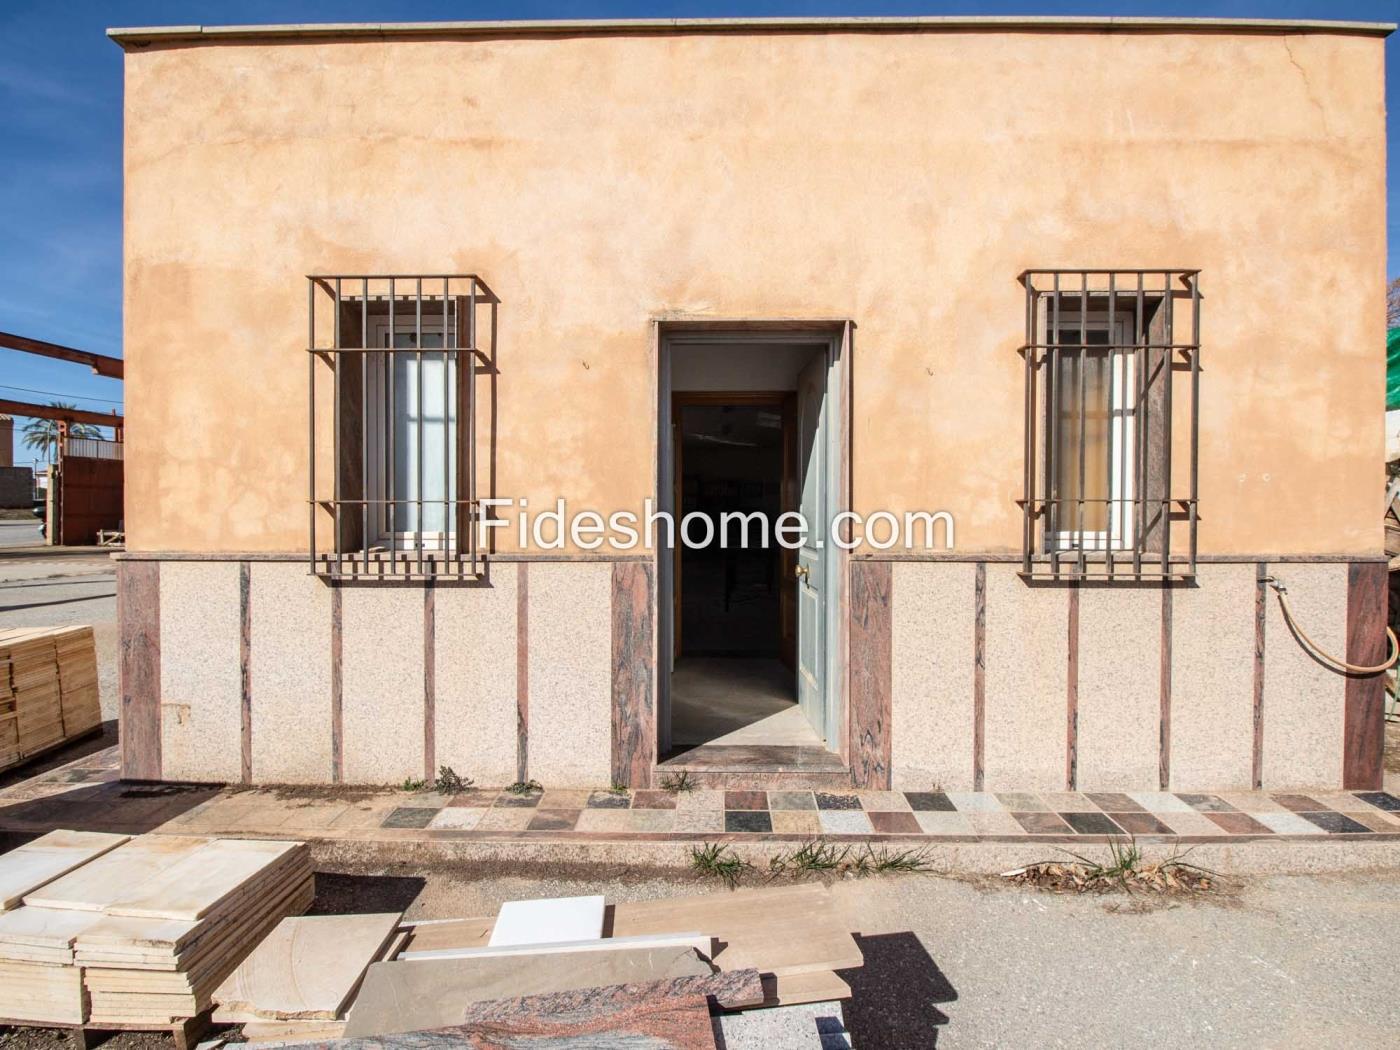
[(539, 966), (48, 689), (136, 933)]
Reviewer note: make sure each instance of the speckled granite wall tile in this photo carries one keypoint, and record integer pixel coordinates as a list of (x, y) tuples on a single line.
[(200, 678), (1213, 680), (290, 656), (932, 675), (570, 654), (1120, 665), (475, 655), (382, 683), (1027, 657)]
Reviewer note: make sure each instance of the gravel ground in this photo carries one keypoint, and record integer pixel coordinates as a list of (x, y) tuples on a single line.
[(1268, 962)]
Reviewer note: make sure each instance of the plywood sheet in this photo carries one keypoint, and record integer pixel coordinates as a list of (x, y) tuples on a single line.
[(189, 887), (101, 882), (308, 966), (44, 928), (780, 931), (49, 857)]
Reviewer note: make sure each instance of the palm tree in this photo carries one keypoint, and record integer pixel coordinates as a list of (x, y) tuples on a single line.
[(42, 434)]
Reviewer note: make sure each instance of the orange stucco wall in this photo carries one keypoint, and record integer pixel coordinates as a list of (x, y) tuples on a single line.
[(898, 179)]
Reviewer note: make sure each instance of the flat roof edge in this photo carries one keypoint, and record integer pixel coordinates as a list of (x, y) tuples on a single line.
[(137, 36)]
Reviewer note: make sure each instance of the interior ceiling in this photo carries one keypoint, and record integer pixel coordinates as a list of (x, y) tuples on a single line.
[(738, 426)]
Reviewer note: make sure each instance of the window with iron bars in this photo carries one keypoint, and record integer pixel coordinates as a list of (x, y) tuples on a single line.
[(393, 363), (1113, 364)]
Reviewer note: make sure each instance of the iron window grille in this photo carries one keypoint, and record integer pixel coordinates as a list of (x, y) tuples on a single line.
[(1112, 361), (397, 358)]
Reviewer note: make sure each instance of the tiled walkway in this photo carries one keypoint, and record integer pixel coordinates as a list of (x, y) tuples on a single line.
[(86, 794), (904, 813)]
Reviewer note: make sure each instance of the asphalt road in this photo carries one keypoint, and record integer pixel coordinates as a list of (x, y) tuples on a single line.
[(47, 587), (19, 533)]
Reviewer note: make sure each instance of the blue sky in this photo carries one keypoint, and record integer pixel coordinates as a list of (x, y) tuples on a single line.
[(61, 126)]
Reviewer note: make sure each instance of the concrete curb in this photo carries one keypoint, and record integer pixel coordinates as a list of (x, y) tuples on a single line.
[(953, 858)]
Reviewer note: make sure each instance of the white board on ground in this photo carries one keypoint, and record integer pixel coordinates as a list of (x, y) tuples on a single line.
[(307, 967), (48, 857), (702, 943), (549, 920)]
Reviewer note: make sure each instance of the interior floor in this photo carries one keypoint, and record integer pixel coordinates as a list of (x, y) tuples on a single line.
[(731, 700)]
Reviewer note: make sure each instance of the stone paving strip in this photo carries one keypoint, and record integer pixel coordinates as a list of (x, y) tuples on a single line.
[(87, 794)]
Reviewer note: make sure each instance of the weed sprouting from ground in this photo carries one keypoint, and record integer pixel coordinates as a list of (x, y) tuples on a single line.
[(524, 787), (412, 784), (811, 857), (1127, 869), (818, 857), (717, 861), (677, 783), (449, 783)]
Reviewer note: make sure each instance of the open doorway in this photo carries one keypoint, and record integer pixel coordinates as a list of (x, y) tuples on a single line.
[(735, 621), (746, 622)]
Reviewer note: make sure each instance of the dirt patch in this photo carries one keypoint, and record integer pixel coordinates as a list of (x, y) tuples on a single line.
[(1169, 878), (59, 1039), (311, 793)]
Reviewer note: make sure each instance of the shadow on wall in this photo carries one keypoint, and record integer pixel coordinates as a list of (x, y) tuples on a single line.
[(895, 995)]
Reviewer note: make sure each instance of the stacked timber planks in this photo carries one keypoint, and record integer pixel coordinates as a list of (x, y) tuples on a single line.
[(38, 981), (48, 689), (76, 652), (140, 936), (9, 717)]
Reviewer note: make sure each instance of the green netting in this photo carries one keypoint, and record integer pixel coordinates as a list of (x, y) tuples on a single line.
[(1392, 369)]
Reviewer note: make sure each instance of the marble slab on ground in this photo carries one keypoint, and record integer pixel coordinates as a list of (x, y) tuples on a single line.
[(809, 1026), (307, 967), (548, 920), (37, 863), (432, 993), (681, 1023)]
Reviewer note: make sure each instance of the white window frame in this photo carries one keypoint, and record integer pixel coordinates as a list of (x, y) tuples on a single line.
[(1120, 534), (379, 413)]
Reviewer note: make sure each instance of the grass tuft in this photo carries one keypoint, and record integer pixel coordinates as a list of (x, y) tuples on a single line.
[(818, 857), (716, 860), (449, 783), (678, 783), (413, 784), (524, 787)]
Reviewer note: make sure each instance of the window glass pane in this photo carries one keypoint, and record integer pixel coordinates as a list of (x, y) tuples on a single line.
[(427, 470), (1095, 369)]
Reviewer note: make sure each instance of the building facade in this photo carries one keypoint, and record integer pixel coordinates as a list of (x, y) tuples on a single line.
[(1107, 293)]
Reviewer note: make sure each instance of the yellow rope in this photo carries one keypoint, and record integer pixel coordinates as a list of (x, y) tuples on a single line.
[(1339, 665)]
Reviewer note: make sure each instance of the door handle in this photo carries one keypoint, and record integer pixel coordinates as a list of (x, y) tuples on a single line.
[(802, 572)]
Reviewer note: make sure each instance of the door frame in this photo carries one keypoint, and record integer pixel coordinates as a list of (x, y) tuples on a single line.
[(837, 338)]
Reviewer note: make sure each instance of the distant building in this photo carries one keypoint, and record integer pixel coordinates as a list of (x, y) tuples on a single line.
[(16, 483)]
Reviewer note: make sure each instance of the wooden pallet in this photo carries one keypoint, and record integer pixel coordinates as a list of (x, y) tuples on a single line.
[(186, 1033)]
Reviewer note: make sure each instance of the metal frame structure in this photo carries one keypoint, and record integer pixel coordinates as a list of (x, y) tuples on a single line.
[(1154, 302), (448, 304)]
